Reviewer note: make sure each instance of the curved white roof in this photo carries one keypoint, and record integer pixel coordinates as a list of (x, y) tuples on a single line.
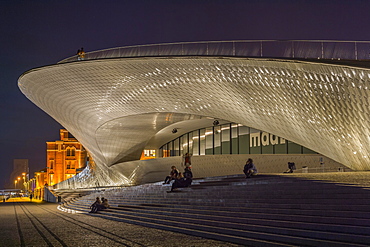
[(115, 106), (119, 101)]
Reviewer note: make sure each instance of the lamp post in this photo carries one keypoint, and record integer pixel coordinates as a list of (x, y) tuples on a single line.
[(25, 182), (19, 178), (15, 183)]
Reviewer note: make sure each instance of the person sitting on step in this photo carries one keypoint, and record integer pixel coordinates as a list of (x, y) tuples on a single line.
[(291, 167), (249, 169), (173, 175), (95, 206)]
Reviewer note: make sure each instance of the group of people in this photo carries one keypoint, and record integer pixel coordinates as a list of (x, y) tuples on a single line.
[(250, 169), (99, 205), (180, 180), (185, 179)]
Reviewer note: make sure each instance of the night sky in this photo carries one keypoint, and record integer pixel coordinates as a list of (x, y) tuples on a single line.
[(38, 33)]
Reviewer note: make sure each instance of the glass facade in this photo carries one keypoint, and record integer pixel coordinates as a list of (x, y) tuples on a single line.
[(195, 142), (230, 138), (209, 140)]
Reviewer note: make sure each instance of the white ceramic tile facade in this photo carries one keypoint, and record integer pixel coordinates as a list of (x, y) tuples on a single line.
[(115, 106)]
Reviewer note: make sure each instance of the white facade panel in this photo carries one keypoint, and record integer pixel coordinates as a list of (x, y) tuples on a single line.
[(115, 106)]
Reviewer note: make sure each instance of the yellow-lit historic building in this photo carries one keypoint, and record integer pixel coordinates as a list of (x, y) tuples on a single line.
[(40, 180), (64, 157)]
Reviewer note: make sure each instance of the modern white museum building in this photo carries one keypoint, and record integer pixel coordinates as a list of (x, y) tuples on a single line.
[(223, 102)]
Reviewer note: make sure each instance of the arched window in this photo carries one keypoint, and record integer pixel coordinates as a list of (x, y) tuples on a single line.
[(71, 151)]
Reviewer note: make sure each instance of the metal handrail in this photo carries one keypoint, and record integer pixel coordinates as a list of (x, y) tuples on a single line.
[(318, 49), (322, 169)]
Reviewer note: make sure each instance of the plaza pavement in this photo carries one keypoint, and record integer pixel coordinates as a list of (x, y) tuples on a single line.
[(36, 223)]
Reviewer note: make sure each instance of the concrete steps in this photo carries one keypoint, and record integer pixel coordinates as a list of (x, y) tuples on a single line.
[(262, 211), (309, 216)]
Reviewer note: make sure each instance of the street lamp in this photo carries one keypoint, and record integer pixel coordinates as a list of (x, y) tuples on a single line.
[(19, 182), (15, 183), (24, 181)]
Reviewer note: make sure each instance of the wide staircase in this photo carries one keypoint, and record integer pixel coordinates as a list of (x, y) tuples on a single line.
[(266, 210)]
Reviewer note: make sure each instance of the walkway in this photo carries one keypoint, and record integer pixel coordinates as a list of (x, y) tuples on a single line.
[(25, 223), (327, 209)]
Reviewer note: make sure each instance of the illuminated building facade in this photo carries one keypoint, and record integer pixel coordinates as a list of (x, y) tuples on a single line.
[(41, 180), (122, 101), (64, 158)]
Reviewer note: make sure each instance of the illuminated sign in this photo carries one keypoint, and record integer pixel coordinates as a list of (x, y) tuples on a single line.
[(264, 138)]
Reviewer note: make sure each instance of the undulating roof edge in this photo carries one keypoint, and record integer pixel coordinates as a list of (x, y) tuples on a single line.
[(318, 49)]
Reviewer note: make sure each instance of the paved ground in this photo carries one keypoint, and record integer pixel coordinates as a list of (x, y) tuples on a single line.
[(25, 223)]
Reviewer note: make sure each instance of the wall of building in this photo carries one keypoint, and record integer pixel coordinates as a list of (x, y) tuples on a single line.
[(140, 172), (154, 170)]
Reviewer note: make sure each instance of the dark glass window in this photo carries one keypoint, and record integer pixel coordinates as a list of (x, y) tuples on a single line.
[(234, 139), (225, 139), (176, 147), (217, 139), (243, 139), (196, 142), (202, 142), (294, 148), (209, 140)]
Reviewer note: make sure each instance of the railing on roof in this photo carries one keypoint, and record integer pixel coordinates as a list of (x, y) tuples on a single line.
[(319, 49)]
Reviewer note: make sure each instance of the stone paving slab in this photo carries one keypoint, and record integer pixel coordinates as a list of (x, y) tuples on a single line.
[(25, 223)]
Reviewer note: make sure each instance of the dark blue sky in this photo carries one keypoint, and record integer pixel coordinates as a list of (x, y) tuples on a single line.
[(37, 33)]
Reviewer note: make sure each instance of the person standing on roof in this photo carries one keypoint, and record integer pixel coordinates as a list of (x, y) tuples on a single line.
[(82, 54)]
